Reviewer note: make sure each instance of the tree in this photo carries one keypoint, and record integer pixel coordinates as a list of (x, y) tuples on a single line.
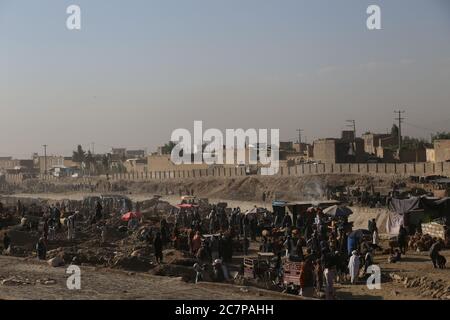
[(394, 131), (410, 143), (167, 148), (79, 155), (440, 136), (90, 161), (106, 162)]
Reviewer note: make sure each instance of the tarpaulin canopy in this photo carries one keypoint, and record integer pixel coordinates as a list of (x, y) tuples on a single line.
[(279, 203), (130, 215), (402, 206)]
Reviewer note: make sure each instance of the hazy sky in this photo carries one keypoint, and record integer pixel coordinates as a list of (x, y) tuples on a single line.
[(137, 70)]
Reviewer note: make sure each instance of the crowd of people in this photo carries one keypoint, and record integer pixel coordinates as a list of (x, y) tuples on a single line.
[(325, 247)]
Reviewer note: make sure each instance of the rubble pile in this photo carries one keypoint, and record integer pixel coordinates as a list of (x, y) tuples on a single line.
[(429, 288)]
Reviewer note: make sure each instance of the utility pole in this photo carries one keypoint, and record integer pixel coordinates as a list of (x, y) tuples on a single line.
[(45, 159), (353, 126), (93, 150), (300, 135), (300, 139), (400, 121)]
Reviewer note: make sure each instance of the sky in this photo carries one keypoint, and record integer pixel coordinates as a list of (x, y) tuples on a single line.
[(139, 69)]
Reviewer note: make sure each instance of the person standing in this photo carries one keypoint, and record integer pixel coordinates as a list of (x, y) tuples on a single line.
[(434, 253), (98, 211), (41, 249), (157, 247), (45, 229), (6, 241), (306, 279), (402, 239), (353, 267), (71, 227), (196, 243), (368, 260), (329, 273)]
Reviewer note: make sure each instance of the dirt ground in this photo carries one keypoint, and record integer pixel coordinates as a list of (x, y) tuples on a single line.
[(412, 278), (28, 278), (97, 283)]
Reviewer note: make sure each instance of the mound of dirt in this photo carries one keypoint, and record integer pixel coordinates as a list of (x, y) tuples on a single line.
[(169, 270), (133, 263)]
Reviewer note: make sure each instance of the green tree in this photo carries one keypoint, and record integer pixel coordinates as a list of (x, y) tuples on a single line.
[(167, 148), (410, 143), (394, 131), (440, 136), (79, 155)]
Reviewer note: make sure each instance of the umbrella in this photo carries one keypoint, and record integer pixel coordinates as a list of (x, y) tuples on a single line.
[(251, 214), (338, 211), (359, 233), (130, 215), (186, 206)]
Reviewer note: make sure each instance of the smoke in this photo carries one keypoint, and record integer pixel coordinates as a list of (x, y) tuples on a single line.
[(313, 191)]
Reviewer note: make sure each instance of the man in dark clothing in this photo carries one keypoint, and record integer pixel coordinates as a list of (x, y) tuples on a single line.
[(98, 211), (402, 241), (41, 249), (307, 279), (308, 231), (434, 253), (6, 241), (157, 247), (253, 228), (287, 221), (371, 226)]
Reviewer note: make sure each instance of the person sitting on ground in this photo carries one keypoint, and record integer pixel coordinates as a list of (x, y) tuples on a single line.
[(198, 272), (218, 271), (395, 256)]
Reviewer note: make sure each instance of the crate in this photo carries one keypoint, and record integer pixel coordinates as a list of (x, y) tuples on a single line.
[(291, 272), (249, 267)]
